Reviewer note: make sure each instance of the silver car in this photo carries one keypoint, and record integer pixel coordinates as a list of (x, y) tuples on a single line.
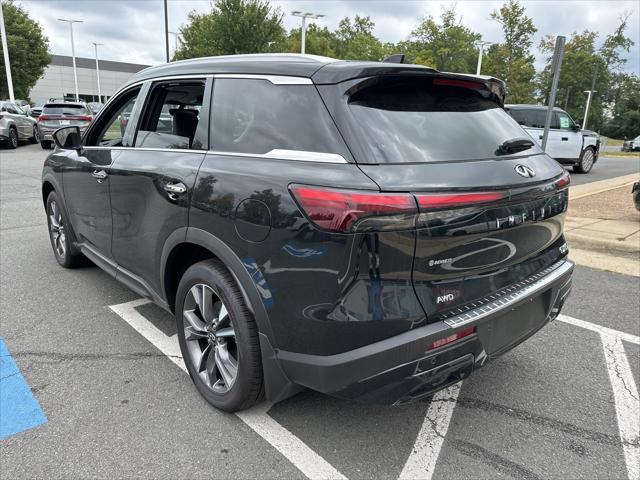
[(15, 125), (62, 114)]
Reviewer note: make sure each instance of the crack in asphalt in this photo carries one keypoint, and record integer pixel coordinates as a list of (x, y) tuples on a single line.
[(616, 369), (55, 357), (564, 427), (499, 463)]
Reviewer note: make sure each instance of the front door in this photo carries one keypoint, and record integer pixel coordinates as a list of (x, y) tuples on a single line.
[(152, 182), (568, 141), (86, 179)]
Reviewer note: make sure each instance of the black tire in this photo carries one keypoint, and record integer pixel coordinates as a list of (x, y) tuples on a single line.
[(587, 159), (12, 141), (46, 144), (36, 135), (60, 238), (247, 388)]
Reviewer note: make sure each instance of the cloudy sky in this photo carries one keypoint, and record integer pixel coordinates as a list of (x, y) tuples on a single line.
[(132, 30)]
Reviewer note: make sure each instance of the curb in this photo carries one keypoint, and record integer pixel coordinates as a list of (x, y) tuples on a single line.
[(589, 243), (601, 186)]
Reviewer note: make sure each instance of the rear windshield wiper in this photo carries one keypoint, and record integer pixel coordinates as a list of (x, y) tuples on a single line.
[(514, 145)]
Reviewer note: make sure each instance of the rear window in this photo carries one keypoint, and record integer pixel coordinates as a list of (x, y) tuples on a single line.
[(430, 120), (64, 110)]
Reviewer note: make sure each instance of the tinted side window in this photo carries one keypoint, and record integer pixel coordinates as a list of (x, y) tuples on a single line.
[(110, 128), (256, 116), (171, 115), (564, 121)]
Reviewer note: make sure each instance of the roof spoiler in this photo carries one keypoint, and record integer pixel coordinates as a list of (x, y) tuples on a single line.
[(395, 58)]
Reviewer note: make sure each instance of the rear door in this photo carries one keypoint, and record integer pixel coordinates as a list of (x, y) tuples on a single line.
[(152, 182), (491, 214)]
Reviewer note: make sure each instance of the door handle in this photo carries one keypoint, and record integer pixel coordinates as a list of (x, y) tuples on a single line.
[(540, 137), (100, 175), (175, 189), (565, 139)]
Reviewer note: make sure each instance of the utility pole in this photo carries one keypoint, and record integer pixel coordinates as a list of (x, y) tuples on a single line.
[(566, 97), (95, 46), (73, 53), (166, 30), (586, 110), (304, 17), (5, 50), (480, 44), (555, 71)]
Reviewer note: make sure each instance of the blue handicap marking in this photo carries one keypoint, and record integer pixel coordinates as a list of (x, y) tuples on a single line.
[(19, 409)]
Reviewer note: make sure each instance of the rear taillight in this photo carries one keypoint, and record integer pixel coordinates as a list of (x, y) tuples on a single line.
[(346, 211), (452, 338), (83, 118), (43, 118), (434, 201), (564, 180)]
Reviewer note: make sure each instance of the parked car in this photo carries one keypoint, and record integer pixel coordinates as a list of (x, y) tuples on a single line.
[(340, 226), (95, 107), (60, 114), (36, 110), (15, 125), (567, 142), (631, 145)]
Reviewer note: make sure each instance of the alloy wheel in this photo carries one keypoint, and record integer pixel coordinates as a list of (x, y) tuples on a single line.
[(587, 160), (56, 227), (36, 134), (13, 138), (210, 338)]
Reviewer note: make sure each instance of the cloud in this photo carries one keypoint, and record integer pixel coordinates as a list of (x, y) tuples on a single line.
[(133, 30)]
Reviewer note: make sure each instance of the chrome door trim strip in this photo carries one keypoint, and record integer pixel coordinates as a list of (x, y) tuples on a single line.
[(276, 154)]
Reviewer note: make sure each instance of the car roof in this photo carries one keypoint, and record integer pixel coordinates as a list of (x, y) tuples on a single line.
[(322, 70), (64, 104), (523, 106)]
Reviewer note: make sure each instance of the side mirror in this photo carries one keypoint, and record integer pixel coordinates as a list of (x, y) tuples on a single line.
[(576, 127), (68, 138)]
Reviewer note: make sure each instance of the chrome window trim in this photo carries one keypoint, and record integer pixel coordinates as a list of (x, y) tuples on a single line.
[(275, 79), (276, 154)]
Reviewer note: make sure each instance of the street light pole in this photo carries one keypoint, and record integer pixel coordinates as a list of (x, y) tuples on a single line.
[(166, 30), (304, 16), (95, 46), (586, 110), (176, 38), (480, 45), (73, 53), (5, 50)]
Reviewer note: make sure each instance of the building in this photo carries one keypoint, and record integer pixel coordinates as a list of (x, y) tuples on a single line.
[(57, 80)]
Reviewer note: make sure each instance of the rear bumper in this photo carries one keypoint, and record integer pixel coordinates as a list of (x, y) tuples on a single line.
[(400, 369)]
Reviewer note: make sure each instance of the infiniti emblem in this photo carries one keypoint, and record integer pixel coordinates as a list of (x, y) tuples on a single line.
[(525, 171)]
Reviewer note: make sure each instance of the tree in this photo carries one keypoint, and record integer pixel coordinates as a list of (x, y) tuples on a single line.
[(232, 27), (28, 51), (512, 60), (447, 46), (356, 41), (625, 114), (318, 41), (585, 67)]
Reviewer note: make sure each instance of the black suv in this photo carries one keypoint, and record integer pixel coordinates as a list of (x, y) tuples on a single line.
[(373, 231)]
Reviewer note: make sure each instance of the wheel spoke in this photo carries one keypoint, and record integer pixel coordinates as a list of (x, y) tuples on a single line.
[(211, 368), (226, 332), (196, 293), (194, 321), (206, 308), (191, 333), (227, 366), (202, 362), (223, 313)]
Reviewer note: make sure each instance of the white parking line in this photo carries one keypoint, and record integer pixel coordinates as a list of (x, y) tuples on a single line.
[(625, 394), (422, 460), (295, 450), (627, 337)]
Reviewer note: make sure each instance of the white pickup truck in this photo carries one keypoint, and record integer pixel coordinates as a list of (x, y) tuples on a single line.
[(567, 142)]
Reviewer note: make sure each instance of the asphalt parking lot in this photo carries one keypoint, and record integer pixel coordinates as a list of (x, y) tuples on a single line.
[(104, 369)]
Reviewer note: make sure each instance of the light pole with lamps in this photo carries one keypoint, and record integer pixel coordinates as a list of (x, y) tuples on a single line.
[(304, 16), (95, 46), (73, 53), (5, 50), (176, 40), (586, 110), (480, 44)]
